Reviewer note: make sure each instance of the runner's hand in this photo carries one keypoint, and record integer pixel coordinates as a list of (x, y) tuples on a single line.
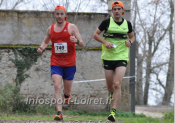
[(127, 43), (73, 39), (108, 45), (40, 50)]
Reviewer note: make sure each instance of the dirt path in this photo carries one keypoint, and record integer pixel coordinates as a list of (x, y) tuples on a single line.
[(153, 111)]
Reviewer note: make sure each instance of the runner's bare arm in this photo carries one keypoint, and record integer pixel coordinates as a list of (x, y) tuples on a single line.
[(45, 42), (131, 39), (97, 37), (76, 37)]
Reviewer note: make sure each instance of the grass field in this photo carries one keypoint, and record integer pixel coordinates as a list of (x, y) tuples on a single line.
[(85, 118), (13, 109), (79, 116)]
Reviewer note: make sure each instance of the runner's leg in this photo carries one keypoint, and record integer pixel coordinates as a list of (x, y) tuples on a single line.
[(109, 75), (119, 74), (67, 86), (57, 79)]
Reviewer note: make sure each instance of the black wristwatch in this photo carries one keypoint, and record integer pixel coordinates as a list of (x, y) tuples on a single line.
[(77, 41), (130, 41)]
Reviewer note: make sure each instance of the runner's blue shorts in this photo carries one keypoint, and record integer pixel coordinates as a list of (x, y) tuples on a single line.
[(66, 72)]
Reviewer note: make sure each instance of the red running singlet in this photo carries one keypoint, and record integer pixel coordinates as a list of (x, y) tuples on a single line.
[(63, 50)]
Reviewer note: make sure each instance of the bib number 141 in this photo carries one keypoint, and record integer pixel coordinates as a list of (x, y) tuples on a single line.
[(60, 47)]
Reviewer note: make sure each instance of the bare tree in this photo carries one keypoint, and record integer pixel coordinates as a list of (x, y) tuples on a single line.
[(150, 34), (139, 62), (13, 4), (1, 2), (170, 74), (104, 1), (17, 3), (152, 49)]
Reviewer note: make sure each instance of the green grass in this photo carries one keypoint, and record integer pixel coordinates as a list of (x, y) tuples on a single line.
[(123, 117), (86, 118), (103, 113), (13, 107), (169, 116)]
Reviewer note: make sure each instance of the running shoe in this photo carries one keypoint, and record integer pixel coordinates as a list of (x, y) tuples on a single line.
[(58, 117), (111, 117)]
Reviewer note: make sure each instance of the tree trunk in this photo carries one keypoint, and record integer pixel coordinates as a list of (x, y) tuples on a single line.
[(148, 71), (139, 81), (170, 74), (170, 79)]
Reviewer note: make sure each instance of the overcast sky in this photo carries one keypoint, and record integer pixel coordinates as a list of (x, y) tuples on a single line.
[(74, 5)]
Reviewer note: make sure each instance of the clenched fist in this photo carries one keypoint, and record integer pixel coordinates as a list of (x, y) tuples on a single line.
[(73, 39), (40, 50)]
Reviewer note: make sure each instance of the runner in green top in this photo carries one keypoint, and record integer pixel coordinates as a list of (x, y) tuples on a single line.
[(117, 38), (116, 35)]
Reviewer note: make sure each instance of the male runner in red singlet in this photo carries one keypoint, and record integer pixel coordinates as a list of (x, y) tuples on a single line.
[(64, 36)]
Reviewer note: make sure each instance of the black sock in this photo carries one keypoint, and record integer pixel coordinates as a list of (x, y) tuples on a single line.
[(66, 96), (114, 110), (59, 112)]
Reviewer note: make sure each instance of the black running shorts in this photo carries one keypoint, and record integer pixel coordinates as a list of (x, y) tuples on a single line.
[(112, 65)]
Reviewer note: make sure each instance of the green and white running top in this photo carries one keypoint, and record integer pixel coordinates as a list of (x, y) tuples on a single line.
[(117, 35)]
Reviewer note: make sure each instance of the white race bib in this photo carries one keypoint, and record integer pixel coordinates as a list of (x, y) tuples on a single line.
[(60, 47)]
